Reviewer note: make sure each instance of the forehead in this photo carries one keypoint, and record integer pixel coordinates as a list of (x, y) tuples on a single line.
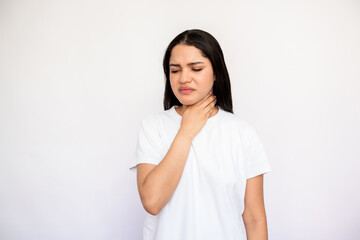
[(185, 53)]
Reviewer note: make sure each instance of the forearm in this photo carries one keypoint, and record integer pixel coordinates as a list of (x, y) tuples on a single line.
[(257, 230), (161, 182)]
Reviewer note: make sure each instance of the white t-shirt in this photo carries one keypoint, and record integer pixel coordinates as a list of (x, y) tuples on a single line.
[(208, 202)]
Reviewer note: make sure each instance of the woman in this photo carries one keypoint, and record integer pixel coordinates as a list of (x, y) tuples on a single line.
[(199, 167)]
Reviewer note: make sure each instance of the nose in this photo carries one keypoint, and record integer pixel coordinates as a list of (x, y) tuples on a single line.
[(184, 77)]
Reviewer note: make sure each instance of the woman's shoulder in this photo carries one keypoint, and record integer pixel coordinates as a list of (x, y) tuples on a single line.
[(233, 118), (236, 122), (158, 117)]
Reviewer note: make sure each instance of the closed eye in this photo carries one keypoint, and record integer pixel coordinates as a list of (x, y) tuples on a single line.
[(195, 69)]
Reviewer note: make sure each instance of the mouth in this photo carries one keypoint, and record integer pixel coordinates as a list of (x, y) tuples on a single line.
[(186, 90)]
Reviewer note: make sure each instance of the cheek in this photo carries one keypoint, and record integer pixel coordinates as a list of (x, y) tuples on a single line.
[(174, 86), (208, 81)]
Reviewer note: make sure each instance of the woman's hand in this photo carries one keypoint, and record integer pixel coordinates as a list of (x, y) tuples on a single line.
[(157, 183), (195, 116)]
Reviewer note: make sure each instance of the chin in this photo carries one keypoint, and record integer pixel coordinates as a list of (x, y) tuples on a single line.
[(187, 102)]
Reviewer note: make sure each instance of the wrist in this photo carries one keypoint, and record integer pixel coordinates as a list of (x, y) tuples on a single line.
[(184, 136)]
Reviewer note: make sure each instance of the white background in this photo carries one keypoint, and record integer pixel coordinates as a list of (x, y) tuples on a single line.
[(76, 78)]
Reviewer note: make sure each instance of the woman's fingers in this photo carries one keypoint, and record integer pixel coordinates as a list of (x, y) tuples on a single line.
[(211, 100), (203, 101), (207, 100), (210, 107), (207, 104), (195, 116)]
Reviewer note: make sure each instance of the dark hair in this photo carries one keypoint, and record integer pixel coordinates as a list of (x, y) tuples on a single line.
[(210, 48)]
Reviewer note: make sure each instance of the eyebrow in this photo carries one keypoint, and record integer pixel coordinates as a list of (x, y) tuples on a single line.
[(189, 64)]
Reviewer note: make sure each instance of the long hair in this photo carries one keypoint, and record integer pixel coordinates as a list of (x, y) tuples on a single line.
[(211, 49)]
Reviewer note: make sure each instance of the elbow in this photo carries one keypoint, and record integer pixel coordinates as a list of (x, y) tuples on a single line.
[(152, 207), (153, 211)]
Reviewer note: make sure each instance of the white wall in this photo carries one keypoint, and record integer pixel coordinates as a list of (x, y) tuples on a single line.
[(76, 78)]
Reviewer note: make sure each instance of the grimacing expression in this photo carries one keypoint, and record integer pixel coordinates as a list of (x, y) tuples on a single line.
[(191, 74)]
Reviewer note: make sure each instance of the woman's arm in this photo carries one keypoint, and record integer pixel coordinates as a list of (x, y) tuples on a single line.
[(254, 213), (157, 183)]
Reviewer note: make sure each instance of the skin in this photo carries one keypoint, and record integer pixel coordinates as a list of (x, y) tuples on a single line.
[(254, 215), (157, 183), (189, 68)]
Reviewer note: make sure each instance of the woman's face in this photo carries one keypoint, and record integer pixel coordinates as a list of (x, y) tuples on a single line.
[(191, 74)]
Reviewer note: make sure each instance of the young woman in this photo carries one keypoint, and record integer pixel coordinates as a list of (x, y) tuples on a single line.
[(199, 167)]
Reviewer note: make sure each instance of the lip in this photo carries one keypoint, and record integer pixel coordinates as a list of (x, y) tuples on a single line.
[(186, 90)]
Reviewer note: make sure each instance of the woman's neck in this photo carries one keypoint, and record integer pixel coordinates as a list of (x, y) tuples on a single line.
[(180, 110)]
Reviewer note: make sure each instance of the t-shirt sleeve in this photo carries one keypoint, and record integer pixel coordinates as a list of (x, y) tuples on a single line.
[(256, 160), (149, 145)]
